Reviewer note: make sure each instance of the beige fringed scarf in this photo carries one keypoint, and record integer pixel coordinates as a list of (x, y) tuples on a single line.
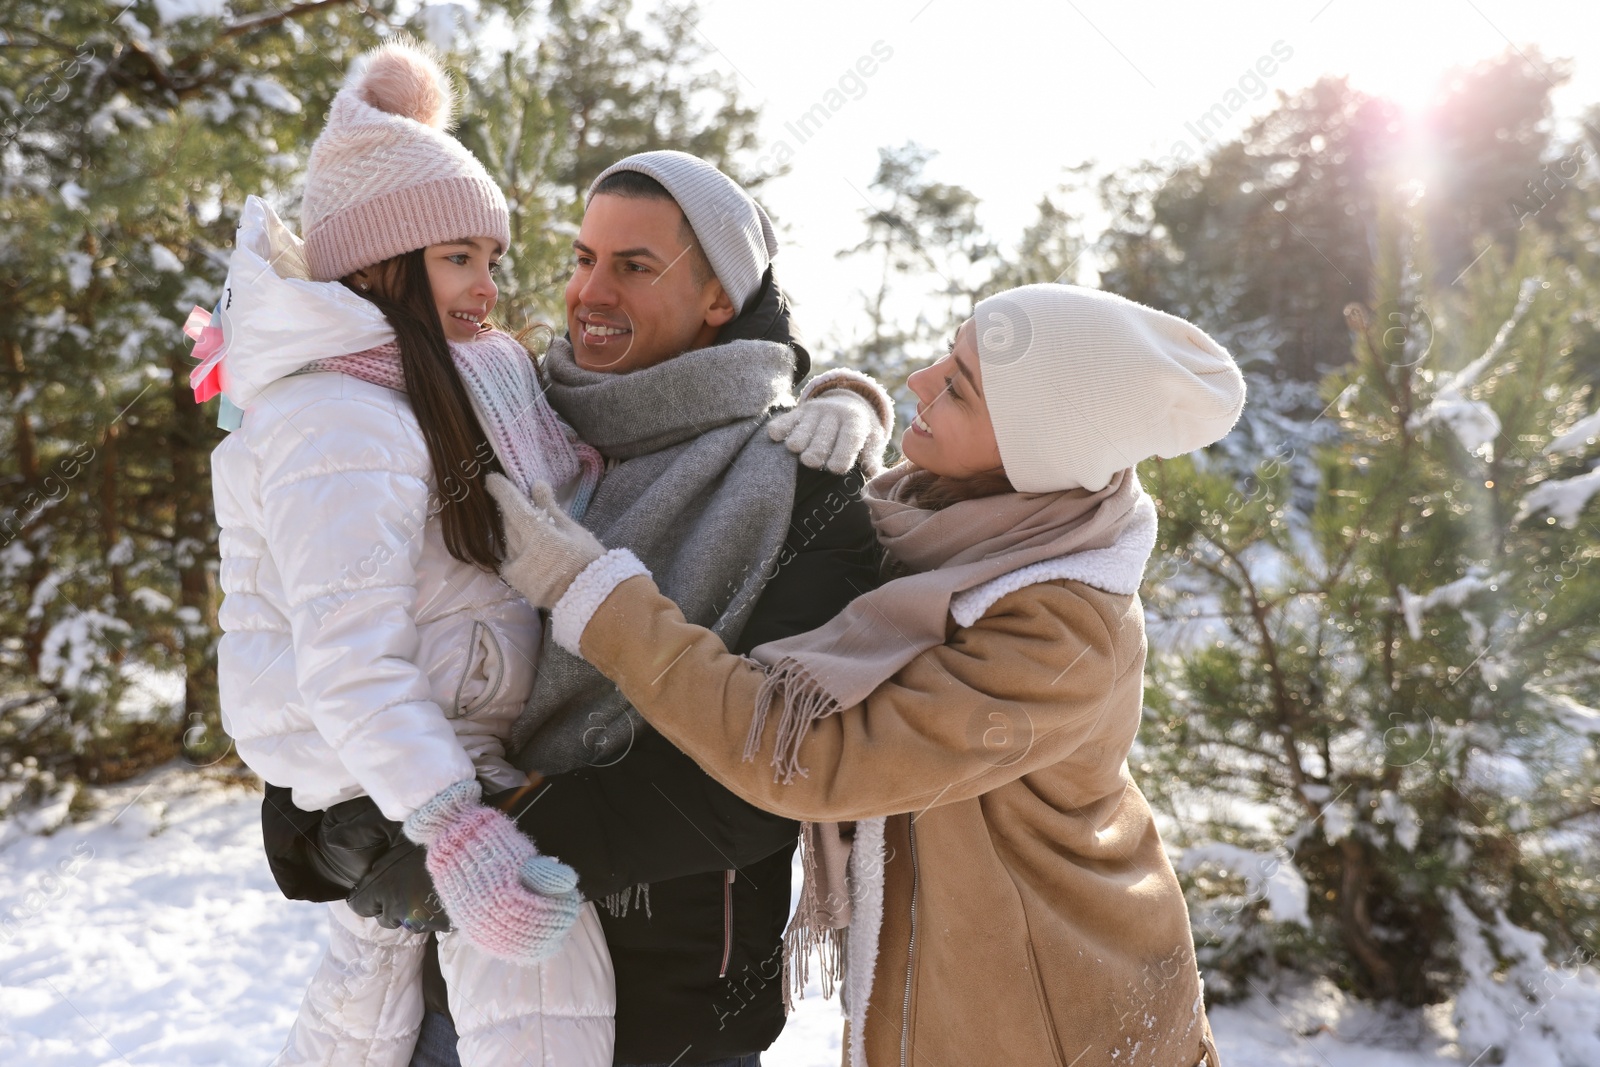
[(816, 674)]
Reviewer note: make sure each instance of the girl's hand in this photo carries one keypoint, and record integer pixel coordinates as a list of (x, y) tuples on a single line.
[(545, 548), (498, 890)]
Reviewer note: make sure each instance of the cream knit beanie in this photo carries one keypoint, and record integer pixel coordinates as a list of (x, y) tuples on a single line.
[(734, 232), (1081, 384), (384, 177)]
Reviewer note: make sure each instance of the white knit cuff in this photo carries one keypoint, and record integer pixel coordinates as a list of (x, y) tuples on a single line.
[(860, 384), (571, 615), (868, 389)]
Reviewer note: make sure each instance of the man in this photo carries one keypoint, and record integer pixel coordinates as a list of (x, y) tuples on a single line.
[(679, 352)]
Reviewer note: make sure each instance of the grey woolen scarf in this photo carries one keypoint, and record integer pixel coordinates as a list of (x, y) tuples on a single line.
[(695, 488)]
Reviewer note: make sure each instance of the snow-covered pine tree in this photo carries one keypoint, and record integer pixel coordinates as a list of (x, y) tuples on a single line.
[(1371, 717), (131, 136)]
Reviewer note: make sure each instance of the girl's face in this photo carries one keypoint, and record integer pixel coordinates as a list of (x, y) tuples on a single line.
[(462, 276), (952, 434)]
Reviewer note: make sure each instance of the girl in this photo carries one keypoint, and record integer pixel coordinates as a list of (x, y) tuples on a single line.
[(1008, 900), (369, 647), (370, 650)]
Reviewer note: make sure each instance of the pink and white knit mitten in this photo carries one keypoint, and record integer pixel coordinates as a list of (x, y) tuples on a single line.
[(499, 891)]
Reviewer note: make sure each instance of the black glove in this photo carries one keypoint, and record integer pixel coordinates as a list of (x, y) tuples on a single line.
[(320, 855), (354, 836), (398, 891)]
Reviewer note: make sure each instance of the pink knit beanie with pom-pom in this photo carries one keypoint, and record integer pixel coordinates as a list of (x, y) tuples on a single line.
[(384, 177)]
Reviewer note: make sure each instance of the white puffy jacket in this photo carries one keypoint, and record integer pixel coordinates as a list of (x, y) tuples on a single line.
[(359, 656)]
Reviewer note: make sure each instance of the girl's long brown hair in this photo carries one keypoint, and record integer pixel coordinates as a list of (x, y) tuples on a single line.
[(462, 455)]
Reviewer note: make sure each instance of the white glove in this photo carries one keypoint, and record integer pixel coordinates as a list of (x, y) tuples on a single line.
[(545, 547), (828, 431)]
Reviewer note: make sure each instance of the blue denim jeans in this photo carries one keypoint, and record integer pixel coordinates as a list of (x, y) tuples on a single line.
[(436, 1044), (436, 1047)]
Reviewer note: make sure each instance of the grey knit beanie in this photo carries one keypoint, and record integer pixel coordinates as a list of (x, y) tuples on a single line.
[(1081, 384), (734, 232)]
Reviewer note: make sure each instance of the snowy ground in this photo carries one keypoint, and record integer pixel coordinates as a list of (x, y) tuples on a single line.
[(152, 933)]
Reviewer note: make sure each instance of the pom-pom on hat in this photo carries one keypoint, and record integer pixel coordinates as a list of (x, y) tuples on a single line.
[(734, 232), (385, 178), (1081, 384)]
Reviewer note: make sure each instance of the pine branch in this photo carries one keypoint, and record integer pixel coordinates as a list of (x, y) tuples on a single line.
[(1282, 702), (9, 30), (1572, 816), (24, 702), (238, 29)]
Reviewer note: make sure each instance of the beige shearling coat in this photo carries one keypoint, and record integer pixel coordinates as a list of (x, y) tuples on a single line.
[(1030, 913)]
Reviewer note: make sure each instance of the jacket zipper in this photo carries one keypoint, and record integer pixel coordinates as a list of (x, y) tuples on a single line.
[(727, 923), (1044, 1006), (911, 949)]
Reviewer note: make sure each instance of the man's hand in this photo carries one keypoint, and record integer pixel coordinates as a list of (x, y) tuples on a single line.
[(398, 891), (350, 839)]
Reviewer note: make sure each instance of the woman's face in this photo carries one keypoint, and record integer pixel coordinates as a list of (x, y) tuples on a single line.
[(461, 274), (952, 435)]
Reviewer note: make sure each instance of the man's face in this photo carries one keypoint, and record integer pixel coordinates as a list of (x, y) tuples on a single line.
[(633, 300)]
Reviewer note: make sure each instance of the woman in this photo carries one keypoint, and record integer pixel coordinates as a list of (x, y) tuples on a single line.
[(1018, 907)]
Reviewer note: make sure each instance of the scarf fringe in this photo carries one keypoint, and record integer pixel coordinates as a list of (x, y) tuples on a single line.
[(806, 933), (805, 700), (799, 941), (617, 904)]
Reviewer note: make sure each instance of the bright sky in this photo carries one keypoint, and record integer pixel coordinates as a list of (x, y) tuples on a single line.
[(1009, 92)]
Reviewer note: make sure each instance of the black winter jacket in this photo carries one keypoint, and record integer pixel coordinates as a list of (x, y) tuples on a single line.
[(699, 973)]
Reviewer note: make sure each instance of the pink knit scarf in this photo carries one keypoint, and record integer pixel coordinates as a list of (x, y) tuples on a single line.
[(531, 441)]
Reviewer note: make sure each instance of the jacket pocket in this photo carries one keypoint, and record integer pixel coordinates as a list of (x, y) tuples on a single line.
[(485, 671)]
